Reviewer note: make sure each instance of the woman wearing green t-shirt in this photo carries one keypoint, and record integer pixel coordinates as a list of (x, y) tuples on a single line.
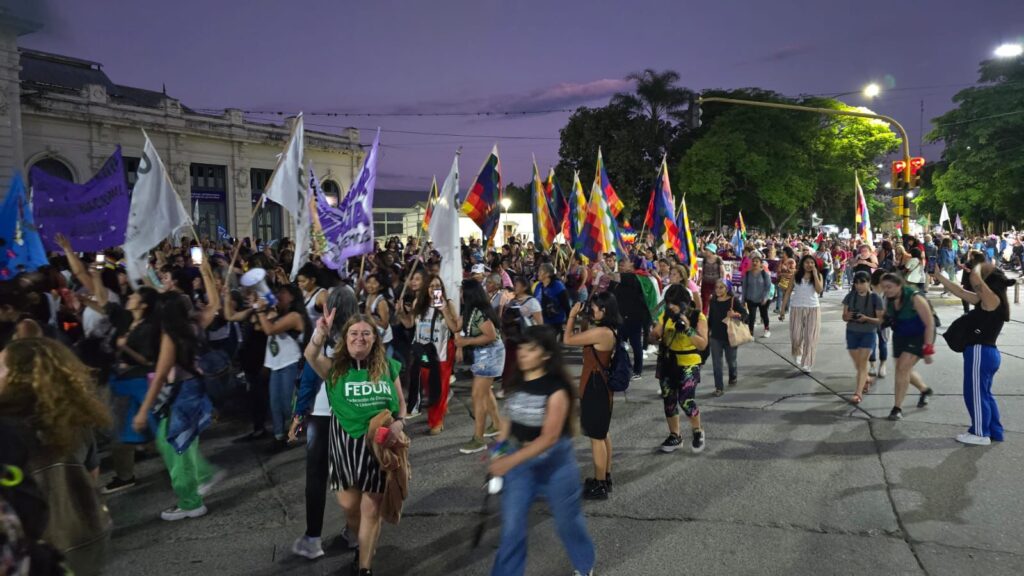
[(361, 381)]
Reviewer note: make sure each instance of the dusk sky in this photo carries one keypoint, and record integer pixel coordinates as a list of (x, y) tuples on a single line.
[(465, 56)]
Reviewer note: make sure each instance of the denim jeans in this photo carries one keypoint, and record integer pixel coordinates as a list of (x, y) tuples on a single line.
[(282, 388), (881, 350), (555, 476), (717, 348)]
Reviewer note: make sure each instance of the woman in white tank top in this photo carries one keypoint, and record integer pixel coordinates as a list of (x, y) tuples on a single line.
[(285, 326), (805, 319), (313, 295)]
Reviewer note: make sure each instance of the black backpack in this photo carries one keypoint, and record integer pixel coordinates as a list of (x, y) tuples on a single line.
[(513, 323), (619, 371)]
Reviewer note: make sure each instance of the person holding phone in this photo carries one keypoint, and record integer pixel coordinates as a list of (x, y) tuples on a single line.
[(805, 323), (435, 319), (863, 311)]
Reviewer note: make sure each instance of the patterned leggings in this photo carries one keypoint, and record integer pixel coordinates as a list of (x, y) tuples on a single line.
[(679, 389)]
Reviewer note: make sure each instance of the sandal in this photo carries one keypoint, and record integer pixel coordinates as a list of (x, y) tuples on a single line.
[(855, 399)]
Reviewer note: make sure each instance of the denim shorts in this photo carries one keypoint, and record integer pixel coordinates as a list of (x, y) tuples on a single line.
[(489, 361), (858, 340)]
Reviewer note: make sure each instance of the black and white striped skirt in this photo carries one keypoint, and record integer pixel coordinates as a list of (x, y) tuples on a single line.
[(352, 463)]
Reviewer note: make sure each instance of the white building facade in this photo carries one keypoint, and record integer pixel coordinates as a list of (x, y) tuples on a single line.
[(72, 117)]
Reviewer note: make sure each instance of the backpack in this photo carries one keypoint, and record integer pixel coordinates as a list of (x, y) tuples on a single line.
[(619, 371)]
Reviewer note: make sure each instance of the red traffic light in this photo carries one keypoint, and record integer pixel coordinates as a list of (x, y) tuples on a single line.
[(916, 164), (899, 166)]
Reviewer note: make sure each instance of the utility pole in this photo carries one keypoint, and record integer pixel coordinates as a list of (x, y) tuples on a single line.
[(832, 112), (920, 134)]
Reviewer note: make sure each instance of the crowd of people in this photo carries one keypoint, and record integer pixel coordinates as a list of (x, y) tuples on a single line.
[(344, 360)]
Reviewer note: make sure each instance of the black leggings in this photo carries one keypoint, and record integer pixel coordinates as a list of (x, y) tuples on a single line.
[(259, 396), (317, 431), (751, 320)]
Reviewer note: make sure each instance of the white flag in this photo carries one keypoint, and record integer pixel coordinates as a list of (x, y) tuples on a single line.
[(287, 185), (444, 232), (944, 216), (156, 212)]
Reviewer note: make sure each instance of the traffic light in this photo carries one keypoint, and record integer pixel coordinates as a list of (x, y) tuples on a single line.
[(916, 170), (694, 112), (899, 174), (897, 205)]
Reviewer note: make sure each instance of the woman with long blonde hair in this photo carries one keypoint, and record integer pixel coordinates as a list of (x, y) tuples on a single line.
[(50, 393), (361, 382)]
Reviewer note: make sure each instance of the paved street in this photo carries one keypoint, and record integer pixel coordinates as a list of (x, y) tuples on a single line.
[(794, 480)]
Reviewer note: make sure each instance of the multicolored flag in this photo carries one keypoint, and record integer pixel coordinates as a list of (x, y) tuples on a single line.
[(559, 205), (738, 237), (602, 182), (577, 212), (431, 198), (686, 239), (482, 204), (861, 217), (544, 230), (663, 213), (600, 233)]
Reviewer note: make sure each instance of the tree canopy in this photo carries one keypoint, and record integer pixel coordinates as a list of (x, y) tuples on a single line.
[(777, 165), (981, 173)]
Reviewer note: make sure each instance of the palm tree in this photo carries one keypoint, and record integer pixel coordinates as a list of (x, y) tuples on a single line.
[(656, 96)]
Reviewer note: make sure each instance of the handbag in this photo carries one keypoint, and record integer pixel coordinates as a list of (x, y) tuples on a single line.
[(958, 334), (739, 333)]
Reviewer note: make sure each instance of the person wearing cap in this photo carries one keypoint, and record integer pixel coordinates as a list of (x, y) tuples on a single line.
[(478, 272)]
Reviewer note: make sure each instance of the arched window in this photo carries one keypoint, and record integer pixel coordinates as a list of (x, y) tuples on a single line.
[(53, 167), (331, 191)]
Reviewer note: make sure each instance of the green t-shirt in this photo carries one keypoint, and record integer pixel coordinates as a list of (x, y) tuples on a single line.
[(355, 400)]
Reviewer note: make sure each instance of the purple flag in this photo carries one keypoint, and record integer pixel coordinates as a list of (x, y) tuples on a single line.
[(330, 221), (355, 237), (94, 215)]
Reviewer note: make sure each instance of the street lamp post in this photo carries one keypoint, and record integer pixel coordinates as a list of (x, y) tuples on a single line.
[(506, 203)]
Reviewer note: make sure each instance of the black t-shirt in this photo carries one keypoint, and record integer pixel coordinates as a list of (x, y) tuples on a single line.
[(984, 326), (527, 406), (144, 340)]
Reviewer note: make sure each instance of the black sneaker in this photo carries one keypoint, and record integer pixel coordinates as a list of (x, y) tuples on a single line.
[(597, 490), (923, 400), (896, 414), (608, 482), (671, 444), (116, 485), (698, 441)]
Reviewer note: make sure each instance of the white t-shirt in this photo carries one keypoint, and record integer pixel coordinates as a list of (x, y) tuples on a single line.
[(440, 333), (321, 407), (96, 324), (915, 274)]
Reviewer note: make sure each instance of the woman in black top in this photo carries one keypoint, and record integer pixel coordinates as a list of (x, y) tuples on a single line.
[(534, 455), (723, 305), (981, 357), (137, 350)]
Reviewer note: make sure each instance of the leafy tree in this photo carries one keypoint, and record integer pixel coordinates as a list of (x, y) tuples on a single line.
[(630, 156), (776, 164), (981, 173)]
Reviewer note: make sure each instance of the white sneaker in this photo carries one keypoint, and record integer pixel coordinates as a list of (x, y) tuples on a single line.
[(308, 547), (973, 440), (872, 370), (881, 370), (805, 369), (798, 360), (767, 333), (415, 412), (207, 486), (174, 514)]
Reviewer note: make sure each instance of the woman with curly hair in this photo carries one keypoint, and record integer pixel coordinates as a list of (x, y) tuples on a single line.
[(50, 394), (361, 382)]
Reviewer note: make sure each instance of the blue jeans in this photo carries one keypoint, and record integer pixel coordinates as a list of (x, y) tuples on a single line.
[(881, 350), (718, 349), (282, 388), (555, 476)]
